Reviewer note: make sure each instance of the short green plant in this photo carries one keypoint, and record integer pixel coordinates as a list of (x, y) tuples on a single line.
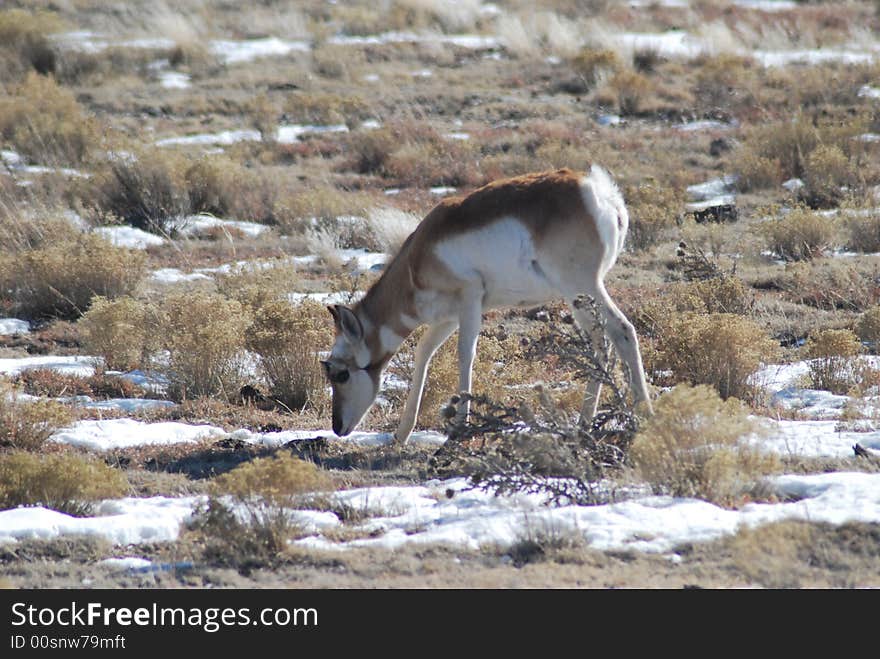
[(66, 482), (693, 446)]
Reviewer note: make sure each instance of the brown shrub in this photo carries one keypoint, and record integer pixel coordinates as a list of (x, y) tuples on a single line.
[(326, 108), (287, 339), (718, 349), (832, 366), (828, 172), (256, 285), (754, 171), (119, 331), (66, 482), (26, 425), (24, 42), (692, 447), (59, 279), (44, 122), (654, 209), (725, 80), (265, 490), (632, 90), (594, 65), (868, 327), (147, 190), (799, 235), (51, 383), (862, 227), (204, 334), (830, 284)]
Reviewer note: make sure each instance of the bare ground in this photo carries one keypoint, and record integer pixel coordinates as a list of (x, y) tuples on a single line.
[(789, 555)]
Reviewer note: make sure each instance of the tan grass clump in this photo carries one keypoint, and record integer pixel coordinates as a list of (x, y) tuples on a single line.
[(754, 171), (44, 122), (60, 278), (287, 339), (799, 235), (26, 425), (828, 172), (595, 65), (862, 227), (120, 332), (833, 365), (718, 349), (653, 210), (204, 334), (790, 146), (248, 515), (255, 285), (628, 91), (868, 327), (721, 294), (146, 190), (277, 480), (725, 80), (24, 42), (829, 284), (321, 108), (692, 447), (65, 482)]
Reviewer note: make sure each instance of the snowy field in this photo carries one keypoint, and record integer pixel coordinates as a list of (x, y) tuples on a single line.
[(204, 108), (470, 518)]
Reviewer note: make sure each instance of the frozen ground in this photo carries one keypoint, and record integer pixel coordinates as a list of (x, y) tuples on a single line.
[(449, 512)]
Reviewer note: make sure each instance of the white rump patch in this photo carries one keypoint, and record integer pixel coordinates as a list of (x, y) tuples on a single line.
[(604, 202)]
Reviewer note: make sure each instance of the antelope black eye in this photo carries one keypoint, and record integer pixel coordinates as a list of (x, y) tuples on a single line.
[(340, 377)]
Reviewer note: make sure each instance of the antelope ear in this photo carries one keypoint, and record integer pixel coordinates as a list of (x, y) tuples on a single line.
[(332, 309), (348, 322)]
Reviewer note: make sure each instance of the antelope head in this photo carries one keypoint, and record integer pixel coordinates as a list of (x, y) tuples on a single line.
[(351, 370)]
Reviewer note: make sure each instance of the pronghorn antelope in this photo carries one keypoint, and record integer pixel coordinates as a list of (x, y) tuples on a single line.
[(516, 242)]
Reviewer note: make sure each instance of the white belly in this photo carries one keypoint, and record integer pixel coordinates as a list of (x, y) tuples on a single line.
[(502, 259)]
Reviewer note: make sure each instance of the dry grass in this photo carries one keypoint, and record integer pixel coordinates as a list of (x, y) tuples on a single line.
[(654, 209), (26, 425), (43, 122), (24, 42), (832, 366), (717, 349), (204, 334), (66, 482), (287, 340), (247, 519), (799, 235), (692, 447), (60, 278), (119, 331)]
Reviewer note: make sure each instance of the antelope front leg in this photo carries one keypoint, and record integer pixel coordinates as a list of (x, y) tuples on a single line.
[(468, 333), (433, 339)]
